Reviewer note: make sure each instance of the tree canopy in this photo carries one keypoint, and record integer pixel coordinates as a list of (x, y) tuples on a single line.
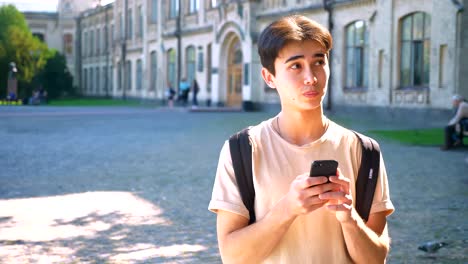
[(17, 44)]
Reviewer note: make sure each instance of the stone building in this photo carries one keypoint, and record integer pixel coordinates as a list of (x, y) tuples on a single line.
[(396, 53)]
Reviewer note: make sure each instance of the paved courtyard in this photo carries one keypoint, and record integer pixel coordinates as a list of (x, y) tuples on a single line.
[(132, 185)]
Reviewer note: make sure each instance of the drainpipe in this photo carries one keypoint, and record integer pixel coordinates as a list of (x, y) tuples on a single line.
[(328, 6), (391, 57), (460, 8), (106, 45)]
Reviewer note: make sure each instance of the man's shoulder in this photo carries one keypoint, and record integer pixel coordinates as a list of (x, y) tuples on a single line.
[(347, 135)]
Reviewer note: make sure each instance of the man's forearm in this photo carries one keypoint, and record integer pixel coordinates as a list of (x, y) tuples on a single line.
[(253, 243), (363, 244)]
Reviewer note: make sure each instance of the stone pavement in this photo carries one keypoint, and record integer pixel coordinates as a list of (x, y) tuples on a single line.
[(132, 185)]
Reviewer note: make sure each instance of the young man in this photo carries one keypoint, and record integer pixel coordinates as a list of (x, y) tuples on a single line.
[(300, 219)]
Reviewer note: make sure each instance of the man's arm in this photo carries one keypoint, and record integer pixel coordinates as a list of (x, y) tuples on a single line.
[(367, 243), (458, 116), (243, 243)]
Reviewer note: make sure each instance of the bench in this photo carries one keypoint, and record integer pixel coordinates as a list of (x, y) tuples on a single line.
[(463, 129)]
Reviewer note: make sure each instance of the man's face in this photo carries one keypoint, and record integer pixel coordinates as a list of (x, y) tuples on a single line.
[(302, 73)]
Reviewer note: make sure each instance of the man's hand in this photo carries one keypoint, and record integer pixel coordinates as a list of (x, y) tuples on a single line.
[(340, 199), (303, 194)]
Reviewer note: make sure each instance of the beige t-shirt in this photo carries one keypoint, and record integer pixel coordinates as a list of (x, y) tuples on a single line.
[(313, 238)]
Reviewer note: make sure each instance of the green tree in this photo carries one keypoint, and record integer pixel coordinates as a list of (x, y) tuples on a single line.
[(18, 45), (55, 77)]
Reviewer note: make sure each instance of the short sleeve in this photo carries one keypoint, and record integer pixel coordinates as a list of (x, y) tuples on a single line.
[(226, 194), (381, 201)]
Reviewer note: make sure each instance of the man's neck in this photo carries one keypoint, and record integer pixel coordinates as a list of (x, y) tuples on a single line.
[(303, 127)]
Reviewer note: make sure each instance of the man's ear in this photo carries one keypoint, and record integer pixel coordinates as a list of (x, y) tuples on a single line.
[(268, 77)]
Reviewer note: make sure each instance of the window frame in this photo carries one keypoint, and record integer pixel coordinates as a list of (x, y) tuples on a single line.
[(419, 52), (358, 52)]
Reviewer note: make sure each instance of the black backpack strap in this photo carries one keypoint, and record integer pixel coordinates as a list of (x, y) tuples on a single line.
[(367, 176), (241, 155)]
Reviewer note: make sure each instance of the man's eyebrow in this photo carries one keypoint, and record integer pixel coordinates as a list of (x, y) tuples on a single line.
[(316, 55)]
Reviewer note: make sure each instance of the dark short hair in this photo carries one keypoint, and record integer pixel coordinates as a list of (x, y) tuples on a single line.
[(287, 29)]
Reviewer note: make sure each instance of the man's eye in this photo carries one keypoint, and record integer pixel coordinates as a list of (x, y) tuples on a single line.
[(320, 62), (296, 66)]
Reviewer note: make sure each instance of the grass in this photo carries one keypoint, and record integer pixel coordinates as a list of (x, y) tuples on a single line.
[(93, 102), (417, 137)]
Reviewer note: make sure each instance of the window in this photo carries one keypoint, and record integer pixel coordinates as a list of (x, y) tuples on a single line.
[(91, 43), (111, 78), (171, 67), (153, 70), (380, 68), (130, 24), (443, 66), (193, 6), (91, 79), (112, 33), (357, 55), (140, 22), (139, 76), (208, 68), (122, 21), (67, 7), (128, 75), (40, 36), (98, 40), (154, 11), (85, 79), (119, 76), (415, 36), (85, 44), (173, 9), (105, 80), (105, 39), (214, 3), (68, 44), (98, 83), (190, 62)]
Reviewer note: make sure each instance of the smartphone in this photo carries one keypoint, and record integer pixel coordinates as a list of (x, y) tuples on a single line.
[(323, 168)]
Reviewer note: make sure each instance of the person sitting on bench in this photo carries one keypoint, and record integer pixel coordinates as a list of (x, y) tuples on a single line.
[(452, 138)]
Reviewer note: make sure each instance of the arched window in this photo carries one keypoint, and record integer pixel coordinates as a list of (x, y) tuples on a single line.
[(190, 62), (171, 68), (68, 44), (357, 55), (415, 36)]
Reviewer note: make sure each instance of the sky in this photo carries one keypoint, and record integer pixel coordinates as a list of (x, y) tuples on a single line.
[(38, 5)]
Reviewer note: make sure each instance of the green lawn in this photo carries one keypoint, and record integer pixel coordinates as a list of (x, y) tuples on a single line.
[(419, 137), (93, 102)]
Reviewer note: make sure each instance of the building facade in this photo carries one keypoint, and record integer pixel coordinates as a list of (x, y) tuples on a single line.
[(395, 53)]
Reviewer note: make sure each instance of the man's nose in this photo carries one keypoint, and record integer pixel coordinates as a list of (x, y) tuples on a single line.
[(310, 78)]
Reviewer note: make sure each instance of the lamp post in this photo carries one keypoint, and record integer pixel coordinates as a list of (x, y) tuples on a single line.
[(179, 45), (123, 62), (328, 6)]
